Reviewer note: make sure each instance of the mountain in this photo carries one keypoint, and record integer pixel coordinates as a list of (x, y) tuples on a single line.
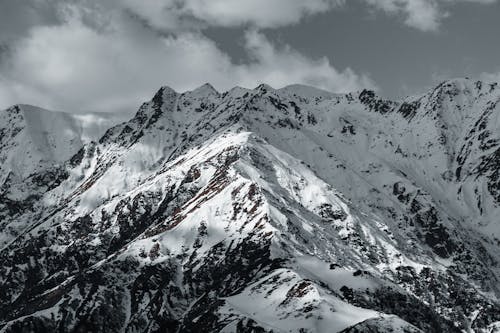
[(33, 138), (257, 210)]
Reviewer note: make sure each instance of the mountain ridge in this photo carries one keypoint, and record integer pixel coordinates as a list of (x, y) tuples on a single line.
[(300, 204)]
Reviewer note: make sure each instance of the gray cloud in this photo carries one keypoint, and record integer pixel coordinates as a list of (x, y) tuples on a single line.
[(18, 17)]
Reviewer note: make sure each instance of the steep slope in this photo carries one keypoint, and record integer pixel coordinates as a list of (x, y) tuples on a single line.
[(264, 210)]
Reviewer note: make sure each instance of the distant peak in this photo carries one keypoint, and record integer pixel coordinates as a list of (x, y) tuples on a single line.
[(239, 92), (264, 88), (11, 108), (206, 89), (306, 91), (28, 108), (467, 84), (457, 82), (167, 90), (163, 93), (458, 86), (367, 93)]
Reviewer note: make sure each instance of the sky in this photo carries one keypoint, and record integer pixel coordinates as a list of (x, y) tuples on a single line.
[(93, 55)]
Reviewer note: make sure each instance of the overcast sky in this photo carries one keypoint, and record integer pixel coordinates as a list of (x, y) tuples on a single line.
[(96, 55)]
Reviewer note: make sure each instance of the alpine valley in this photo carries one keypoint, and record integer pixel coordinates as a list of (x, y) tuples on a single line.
[(255, 210)]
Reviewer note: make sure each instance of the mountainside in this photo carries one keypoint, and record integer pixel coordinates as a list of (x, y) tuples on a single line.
[(263, 210)]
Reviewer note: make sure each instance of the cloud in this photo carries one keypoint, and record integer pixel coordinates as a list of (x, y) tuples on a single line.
[(17, 17), (282, 66), (260, 13), (76, 66), (175, 15), (424, 15), (111, 55)]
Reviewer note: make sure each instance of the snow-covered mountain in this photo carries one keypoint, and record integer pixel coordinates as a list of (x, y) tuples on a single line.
[(33, 138), (288, 210)]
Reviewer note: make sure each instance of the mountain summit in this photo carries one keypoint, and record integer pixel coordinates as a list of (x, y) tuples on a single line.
[(256, 210)]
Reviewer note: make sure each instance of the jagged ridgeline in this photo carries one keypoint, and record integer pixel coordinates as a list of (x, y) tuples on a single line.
[(255, 210)]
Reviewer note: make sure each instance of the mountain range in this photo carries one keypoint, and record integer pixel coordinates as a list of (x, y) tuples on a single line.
[(255, 210)]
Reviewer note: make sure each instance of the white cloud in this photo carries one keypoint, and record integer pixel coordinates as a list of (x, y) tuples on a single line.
[(261, 13), (425, 15), (76, 67), (282, 66)]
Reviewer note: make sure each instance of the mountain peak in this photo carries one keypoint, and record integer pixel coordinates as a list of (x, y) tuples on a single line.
[(239, 91), (206, 89), (165, 90), (163, 94), (263, 88), (306, 91), (466, 86)]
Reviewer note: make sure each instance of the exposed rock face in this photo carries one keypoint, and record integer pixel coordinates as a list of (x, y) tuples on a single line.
[(259, 211)]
